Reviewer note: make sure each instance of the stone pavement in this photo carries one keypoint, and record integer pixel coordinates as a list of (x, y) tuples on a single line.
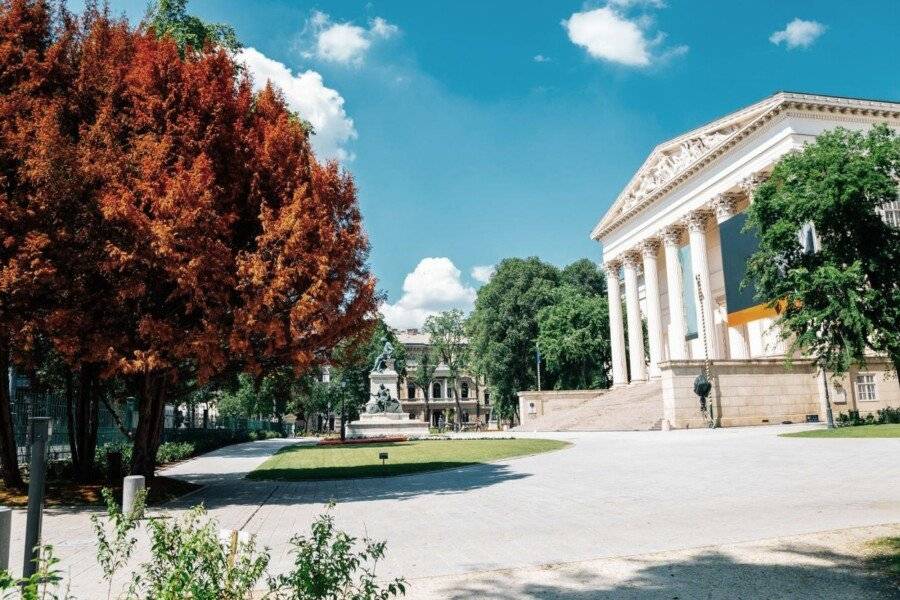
[(608, 495)]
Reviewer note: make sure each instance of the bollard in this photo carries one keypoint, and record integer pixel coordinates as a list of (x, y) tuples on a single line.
[(5, 535), (131, 487), (40, 433)]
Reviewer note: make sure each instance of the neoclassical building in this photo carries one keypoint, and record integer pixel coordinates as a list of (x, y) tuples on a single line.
[(674, 251)]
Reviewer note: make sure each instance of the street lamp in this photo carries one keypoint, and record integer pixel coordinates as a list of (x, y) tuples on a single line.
[(343, 396)]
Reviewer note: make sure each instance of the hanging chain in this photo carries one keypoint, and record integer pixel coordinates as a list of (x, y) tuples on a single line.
[(709, 409)]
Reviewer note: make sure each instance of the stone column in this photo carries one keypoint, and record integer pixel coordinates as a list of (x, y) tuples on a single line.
[(633, 312), (751, 182), (616, 327), (696, 224), (677, 326), (649, 250), (738, 343)]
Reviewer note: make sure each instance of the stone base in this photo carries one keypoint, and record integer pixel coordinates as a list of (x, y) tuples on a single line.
[(386, 425)]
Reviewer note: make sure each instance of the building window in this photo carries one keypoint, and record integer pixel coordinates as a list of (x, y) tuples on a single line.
[(487, 397), (465, 416), (436, 390), (865, 387), (410, 391), (464, 389), (890, 212)]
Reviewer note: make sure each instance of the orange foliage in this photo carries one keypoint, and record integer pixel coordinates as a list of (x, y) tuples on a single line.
[(161, 213)]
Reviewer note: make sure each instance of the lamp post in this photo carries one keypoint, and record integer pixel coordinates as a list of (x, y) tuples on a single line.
[(343, 396)]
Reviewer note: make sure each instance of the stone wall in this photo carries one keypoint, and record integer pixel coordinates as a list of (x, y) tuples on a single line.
[(766, 391)]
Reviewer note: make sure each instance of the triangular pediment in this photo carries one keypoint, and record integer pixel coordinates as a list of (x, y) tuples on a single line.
[(676, 156)]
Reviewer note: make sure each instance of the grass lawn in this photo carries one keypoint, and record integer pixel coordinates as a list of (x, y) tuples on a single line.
[(299, 463), (883, 554), (889, 430)]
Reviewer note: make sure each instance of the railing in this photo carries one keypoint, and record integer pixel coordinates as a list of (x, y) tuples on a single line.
[(29, 404)]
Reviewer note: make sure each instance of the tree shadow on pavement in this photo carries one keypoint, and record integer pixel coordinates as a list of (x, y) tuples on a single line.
[(817, 574), (400, 487)]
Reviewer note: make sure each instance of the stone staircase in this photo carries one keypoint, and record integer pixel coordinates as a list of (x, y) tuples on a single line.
[(636, 407)]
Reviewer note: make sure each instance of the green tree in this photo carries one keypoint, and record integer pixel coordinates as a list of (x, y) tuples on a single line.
[(447, 336), (574, 340), (503, 327), (827, 260), (423, 376), (170, 18), (585, 276)]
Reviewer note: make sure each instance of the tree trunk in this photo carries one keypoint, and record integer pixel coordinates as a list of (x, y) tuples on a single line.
[(151, 412), (458, 406), (83, 411), (9, 460)]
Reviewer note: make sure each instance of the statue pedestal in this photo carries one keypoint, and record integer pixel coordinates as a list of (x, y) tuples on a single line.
[(388, 378), (376, 425)]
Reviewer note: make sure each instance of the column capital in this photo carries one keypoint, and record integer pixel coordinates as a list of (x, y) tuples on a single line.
[(724, 205), (751, 182), (633, 259), (650, 247), (611, 268), (671, 235), (695, 221)]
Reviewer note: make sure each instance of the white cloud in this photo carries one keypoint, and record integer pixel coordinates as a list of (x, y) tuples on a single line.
[(540, 58), (608, 34), (433, 286), (345, 43), (306, 94), (798, 34), (630, 3), (483, 273)]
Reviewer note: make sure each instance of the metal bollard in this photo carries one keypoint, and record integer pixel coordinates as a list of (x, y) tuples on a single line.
[(5, 536), (40, 434), (131, 487)]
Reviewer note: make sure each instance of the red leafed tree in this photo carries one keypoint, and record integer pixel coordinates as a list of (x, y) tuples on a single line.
[(190, 226)]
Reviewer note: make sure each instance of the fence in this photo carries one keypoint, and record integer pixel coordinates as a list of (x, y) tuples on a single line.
[(177, 427)]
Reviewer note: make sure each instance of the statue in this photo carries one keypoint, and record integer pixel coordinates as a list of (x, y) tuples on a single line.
[(387, 353), (382, 402)]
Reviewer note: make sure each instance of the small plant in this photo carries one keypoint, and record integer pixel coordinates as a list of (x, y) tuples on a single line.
[(189, 561), (328, 567), (113, 551), (44, 584)]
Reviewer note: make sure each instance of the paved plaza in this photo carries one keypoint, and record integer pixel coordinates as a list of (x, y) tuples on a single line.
[(698, 501)]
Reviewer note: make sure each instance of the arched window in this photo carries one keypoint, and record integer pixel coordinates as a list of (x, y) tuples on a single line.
[(464, 389), (410, 391), (436, 390)]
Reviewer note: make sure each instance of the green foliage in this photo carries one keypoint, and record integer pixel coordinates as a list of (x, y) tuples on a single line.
[(423, 376), (503, 327), (44, 584), (574, 339), (882, 417), (843, 299), (447, 337), (189, 561), (115, 548), (585, 276), (328, 566), (170, 18)]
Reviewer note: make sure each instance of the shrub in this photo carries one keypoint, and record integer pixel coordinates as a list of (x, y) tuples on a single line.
[(852, 418), (189, 561), (328, 567), (172, 451)]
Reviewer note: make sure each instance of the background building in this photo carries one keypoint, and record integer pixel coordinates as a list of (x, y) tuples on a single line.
[(473, 396)]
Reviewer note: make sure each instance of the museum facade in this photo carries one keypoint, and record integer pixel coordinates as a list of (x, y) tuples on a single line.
[(675, 252)]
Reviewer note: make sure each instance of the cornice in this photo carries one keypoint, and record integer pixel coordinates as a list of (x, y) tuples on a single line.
[(801, 104)]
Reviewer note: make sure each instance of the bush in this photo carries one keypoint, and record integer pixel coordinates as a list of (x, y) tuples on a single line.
[(172, 451), (852, 418)]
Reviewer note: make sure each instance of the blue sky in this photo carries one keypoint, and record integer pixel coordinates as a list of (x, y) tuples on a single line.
[(479, 130)]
